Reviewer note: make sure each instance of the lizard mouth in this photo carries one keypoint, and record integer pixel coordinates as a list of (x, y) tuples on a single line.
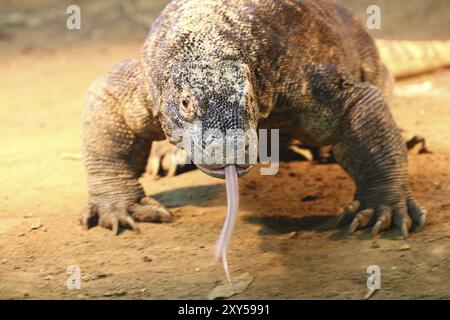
[(220, 172)]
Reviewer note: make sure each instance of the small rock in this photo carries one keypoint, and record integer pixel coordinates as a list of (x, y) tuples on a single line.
[(28, 215), (21, 234), (99, 276), (197, 269), (35, 225), (404, 247), (147, 259), (375, 245), (225, 290), (310, 197), (252, 185), (118, 293), (143, 290), (276, 293)]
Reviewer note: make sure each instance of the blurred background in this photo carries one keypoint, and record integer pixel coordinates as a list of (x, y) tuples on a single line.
[(36, 22)]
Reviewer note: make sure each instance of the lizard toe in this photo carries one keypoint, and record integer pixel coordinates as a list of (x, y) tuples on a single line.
[(89, 217), (418, 215), (402, 221), (348, 214), (361, 220), (403, 217), (383, 220), (116, 218), (150, 210)]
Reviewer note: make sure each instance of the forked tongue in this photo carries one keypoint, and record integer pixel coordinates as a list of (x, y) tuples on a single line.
[(230, 221)]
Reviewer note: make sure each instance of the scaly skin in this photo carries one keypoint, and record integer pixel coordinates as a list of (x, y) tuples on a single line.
[(305, 67), (117, 130)]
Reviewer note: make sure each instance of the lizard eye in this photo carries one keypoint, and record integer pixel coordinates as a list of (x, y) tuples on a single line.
[(187, 108)]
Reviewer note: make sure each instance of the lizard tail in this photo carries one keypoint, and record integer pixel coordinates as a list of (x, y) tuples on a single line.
[(408, 58)]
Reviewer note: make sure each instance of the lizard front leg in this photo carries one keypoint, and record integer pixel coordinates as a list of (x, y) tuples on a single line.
[(370, 148), (117, 132)]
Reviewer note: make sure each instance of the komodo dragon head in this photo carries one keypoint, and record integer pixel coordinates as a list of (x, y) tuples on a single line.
[(210, 111)]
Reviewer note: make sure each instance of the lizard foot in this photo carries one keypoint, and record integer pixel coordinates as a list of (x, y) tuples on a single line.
[(118, 215), (165, 159), (404, 217)]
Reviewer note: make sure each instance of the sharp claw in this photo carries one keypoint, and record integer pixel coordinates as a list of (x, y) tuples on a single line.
[(88, 217), (421, 223), (404, 218), (383, 221), (376, 229), (340, 220), (166, 215), (349, 211), (114, 224), (83, 221), (353, 207), (354, 226), (361, 220), (418, 215), (148, 201), (133, 225), (404, 230), (86, 225), (150, 211), (343, 219), (402, 221)]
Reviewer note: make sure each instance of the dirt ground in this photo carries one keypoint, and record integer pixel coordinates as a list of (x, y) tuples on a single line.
[(45, 71)]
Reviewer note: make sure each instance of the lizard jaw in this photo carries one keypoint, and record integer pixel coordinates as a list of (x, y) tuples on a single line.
[(220, 172)]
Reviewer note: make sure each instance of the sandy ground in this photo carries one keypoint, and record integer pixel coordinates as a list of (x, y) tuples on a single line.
[(45, 71)]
